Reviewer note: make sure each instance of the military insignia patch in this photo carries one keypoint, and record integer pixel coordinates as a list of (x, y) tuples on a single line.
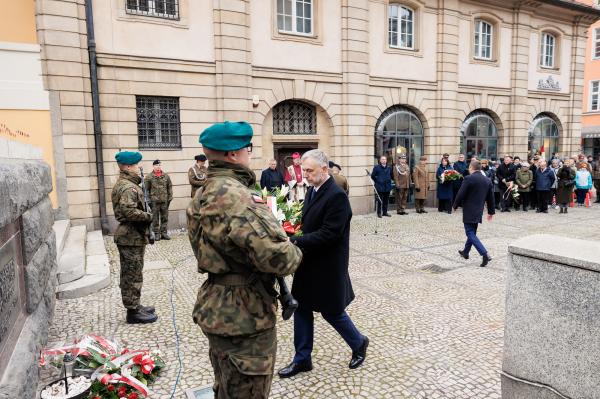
[(257, 199)]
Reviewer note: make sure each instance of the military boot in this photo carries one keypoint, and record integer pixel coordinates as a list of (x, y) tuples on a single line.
[(146, 309), (135, 316)]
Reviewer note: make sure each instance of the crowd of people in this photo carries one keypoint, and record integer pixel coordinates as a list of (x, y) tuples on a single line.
[(535, 184)]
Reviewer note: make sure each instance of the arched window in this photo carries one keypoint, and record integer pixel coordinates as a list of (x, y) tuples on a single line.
[(399, 131), (401, 27), (543, 136), (479, 136), (548, 50), (483, 40), (294, 117)]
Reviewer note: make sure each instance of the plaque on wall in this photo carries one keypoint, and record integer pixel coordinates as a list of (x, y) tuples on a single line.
[(12, 302), (549, 84)]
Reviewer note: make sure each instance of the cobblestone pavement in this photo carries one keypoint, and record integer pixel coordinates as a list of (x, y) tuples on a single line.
[(435, 320)]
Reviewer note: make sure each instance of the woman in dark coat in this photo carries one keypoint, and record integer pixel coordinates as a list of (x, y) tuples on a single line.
[(564, 189), (382, 177), (444, 190)]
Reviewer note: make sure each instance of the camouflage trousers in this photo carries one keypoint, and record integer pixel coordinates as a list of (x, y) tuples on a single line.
[(132, 263), (243, 366), (160, 217)]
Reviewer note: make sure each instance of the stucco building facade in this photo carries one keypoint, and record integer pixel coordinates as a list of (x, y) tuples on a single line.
[(356, 78), (590, 131)]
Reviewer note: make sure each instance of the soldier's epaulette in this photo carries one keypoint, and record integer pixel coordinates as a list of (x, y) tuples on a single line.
[(258, 199)]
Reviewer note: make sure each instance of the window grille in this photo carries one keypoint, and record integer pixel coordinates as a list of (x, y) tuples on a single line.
[(158, 122), (483, 40), (594, 94), (547, 50), (401, 27), (295, 16), (294, 117), (154, 8)]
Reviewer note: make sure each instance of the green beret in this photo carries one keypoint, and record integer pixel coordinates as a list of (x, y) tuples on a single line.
[(128, 157), (227, 136)]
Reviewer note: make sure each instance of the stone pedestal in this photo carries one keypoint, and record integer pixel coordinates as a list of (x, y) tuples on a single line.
[(552, 347), (27, 273)]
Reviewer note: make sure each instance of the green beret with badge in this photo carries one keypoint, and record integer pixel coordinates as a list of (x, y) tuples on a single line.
[(227, 136), (128, 157)]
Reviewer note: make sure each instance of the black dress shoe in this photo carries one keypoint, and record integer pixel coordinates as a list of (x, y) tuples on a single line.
[(462, 253), (423, 211), (486, 260), (135, 316), (360, 355), (294, 368), (403, 213), (165, 237), (387, 214), (146, 309), (379, 216)]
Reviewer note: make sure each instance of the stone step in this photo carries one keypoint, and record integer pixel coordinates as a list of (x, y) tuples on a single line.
[(86, 285), (71, 265), (61, 230), (97, 270)]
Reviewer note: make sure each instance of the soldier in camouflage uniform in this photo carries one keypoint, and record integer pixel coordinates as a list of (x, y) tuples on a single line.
[(197, 173), (130, 237), (160, 190), (241, 245)]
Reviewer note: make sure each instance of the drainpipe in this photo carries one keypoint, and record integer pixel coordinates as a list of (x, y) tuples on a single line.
[(91, 42)]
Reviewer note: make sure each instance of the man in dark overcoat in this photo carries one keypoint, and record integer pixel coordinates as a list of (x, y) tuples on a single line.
[(475, 191), (322, 283)]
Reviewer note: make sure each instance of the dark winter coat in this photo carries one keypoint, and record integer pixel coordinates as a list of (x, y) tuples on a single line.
[(544, 179), (476, 190), (444, 190), (382, 177), (322, 282), (462, 168), (271, 179), (566, 183), (507, 173)]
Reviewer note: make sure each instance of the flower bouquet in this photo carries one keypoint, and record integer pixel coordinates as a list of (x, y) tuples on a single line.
[(512, 190), (288, 213), (450, 175), (115, 372)]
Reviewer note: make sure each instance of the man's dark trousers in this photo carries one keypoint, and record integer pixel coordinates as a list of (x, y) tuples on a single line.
[(543, 198), (473, 240), (304, 332)]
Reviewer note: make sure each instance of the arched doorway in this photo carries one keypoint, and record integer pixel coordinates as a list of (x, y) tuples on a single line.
[(293, 118), (479, 136), (543, 137), (399, 131)]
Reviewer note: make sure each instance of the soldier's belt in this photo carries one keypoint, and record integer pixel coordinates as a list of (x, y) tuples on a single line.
[(232, 279)]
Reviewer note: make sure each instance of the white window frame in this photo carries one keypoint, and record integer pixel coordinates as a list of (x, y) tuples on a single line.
[(596, 44), (545, 47), (595, 92), (151, 4), (478, 46), (294, 16), (400, 21)]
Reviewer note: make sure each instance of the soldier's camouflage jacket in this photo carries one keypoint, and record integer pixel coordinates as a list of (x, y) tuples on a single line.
[(232, 231), (128, 205), (160, 187)]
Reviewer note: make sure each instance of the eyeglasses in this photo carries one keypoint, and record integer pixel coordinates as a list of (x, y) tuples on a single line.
[(249, 148)]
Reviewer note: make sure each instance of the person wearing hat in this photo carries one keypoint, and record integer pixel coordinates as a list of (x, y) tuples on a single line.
[(197, 173), (240, 244), (295, 178), (160, 190), (421, 181), (402, 180), (128, 205), (524, 180), (335, 171)]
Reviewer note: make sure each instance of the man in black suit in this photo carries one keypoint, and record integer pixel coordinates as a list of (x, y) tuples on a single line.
[(476, 190), (322, 283)]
